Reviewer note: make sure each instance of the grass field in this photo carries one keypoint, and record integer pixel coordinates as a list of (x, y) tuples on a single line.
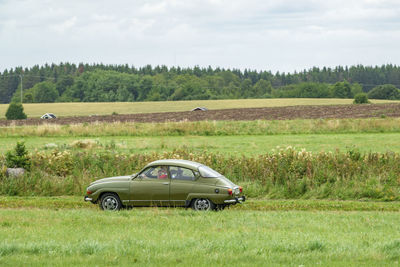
[(228, 137), (65, 231), (237, 145), (85, 109), (252, 204), (242, 236), (207, 128)]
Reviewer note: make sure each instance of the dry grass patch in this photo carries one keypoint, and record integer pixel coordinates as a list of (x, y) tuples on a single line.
[(87, 109)]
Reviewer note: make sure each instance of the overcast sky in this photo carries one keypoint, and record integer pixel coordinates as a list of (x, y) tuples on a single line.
[(276, 35)]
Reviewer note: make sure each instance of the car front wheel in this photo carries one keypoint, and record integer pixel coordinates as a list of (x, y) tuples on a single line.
[(110, 201), (203, 204)]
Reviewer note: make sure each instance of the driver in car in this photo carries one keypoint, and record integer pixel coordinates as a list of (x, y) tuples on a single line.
[(162, 173)]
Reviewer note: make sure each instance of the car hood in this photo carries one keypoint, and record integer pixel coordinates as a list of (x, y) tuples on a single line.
[(113, 179)]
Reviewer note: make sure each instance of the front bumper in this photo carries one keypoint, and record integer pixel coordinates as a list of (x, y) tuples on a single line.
[(86, 198), (235, 200)]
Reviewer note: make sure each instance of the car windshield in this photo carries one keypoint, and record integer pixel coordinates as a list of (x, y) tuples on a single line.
[(207, 172)]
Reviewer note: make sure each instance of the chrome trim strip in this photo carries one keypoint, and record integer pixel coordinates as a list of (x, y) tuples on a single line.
[(88, 199), (154, 200), (234, 200)]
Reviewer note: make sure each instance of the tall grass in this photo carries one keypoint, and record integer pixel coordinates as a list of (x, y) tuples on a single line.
[(208, 128), (284, 173)]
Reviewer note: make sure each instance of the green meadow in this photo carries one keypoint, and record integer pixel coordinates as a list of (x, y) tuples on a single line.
[(242, 144), (228, 137), (177, 237)]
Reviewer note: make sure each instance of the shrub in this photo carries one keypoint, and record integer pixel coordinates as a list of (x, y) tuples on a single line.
[(361, 98), (18, 158), (386, 91), (56, 163), (88, 143), (15, 111)]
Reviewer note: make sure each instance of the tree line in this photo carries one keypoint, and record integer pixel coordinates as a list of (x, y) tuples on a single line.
[(67, 82)]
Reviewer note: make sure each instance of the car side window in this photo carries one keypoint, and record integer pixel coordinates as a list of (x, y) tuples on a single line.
[(179, 173), (159, 172)]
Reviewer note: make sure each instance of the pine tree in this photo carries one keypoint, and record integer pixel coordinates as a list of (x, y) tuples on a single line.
[(18, 158), (15, 111)]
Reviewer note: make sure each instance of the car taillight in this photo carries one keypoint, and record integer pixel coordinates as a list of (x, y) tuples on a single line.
[(240, 189), (230, 191), (88, 192)]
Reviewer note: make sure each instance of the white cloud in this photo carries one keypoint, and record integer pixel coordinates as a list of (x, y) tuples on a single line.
[(283, 35), (65, 25)]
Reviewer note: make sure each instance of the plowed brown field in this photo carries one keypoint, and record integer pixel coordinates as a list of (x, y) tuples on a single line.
[(272, 113)]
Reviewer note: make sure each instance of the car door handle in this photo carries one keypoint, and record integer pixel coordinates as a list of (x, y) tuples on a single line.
[(165, 183)]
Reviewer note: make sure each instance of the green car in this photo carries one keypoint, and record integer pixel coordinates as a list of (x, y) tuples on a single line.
[(167, 182)]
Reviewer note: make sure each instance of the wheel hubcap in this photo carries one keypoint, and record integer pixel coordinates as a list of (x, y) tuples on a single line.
[(110, 203), (202, 204)]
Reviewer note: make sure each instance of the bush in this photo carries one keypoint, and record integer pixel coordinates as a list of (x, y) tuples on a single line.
[(15, 111), (386, 91), (18, 158), (361, 98)]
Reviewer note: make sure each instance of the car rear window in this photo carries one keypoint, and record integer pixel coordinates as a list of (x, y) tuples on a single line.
[(207, 172)]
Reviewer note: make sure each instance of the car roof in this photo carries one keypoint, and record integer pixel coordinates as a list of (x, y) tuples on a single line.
[(176, 162)]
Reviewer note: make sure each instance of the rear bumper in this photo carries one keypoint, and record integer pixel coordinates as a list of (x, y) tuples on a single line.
[(235, 200), (86, 198)]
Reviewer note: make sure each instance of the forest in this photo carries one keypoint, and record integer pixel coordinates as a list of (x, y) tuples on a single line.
[(67, 82)]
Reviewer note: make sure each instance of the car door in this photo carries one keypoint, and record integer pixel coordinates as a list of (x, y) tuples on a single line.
[(150, 187), (182, 183)]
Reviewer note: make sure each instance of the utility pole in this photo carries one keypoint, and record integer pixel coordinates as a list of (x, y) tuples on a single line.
[(20, 76)]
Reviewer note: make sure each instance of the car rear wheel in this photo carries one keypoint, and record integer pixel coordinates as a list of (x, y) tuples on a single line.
[(110, 201), (202, 204)]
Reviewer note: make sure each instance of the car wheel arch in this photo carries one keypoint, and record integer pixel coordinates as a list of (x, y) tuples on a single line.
[(110, 201), (209, 204), (107, 192)]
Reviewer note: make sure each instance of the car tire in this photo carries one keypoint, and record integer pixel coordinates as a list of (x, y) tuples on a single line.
[(110, 201), (202, 204)]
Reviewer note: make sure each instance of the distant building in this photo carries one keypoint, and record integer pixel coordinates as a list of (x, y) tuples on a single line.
[(200, 109), (48, 116)]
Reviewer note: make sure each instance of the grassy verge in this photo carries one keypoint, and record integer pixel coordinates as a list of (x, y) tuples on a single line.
[(85, 109), (208, 128), (177, 237), (76, 202), (228, 145), (59, 202)]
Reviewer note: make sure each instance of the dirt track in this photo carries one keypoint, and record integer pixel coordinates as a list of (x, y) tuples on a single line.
[(273, 113)]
